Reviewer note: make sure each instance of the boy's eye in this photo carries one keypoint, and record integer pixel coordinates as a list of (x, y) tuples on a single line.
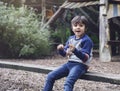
[(75, 25), (81, 25)]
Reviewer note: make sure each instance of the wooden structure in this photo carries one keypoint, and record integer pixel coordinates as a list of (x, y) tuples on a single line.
[(106, 7), (41, 6), (114, 26), (93, 76)]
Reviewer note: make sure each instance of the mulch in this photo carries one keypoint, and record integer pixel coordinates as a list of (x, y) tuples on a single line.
[(18, 80)]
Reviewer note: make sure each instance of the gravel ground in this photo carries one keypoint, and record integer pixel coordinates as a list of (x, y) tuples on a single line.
[(17, 80)]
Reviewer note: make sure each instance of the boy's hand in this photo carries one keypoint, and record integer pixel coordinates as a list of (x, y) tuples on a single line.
[(60, 47), (71, 47), (70, 50)]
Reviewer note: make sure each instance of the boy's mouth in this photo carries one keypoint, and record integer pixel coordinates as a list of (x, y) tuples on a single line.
[(77, 31)]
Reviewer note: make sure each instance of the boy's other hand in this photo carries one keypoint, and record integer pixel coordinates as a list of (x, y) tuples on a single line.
[(68, 53), (60, 47)]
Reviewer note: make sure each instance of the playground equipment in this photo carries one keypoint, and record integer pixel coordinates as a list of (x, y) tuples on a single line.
[(109, 10)]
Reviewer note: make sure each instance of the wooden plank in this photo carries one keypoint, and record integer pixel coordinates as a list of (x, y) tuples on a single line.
[(75, 6), (93, 76), (81, 4), (64, 4), (69, 5), (80, 0)]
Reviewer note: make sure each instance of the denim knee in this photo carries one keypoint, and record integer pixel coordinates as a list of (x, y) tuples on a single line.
[(69, 83), (50, 77)]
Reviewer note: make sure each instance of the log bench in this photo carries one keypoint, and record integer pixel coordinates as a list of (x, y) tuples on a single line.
[(93, 76)]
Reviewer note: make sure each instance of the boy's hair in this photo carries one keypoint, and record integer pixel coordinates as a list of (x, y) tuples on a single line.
[(80, 19)]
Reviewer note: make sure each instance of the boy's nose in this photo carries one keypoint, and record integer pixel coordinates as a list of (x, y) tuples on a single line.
[(78, 26)]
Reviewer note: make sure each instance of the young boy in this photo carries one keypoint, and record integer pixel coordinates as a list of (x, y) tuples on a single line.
[(78, 48)]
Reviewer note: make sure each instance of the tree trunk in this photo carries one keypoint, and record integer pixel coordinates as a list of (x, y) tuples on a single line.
[(104, 48)]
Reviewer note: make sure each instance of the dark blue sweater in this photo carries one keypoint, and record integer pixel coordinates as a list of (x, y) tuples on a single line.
[(83, 49)]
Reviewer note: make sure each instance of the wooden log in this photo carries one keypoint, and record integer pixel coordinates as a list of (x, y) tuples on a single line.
[(93, 76)]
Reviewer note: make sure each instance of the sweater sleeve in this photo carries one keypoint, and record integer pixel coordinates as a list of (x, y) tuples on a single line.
[(83, 56)]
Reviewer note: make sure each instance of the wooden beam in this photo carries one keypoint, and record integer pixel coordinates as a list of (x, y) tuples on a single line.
[(93, 76), (58, 13)]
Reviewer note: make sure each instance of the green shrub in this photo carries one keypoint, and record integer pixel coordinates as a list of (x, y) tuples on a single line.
[(20, 30), (60, 35)]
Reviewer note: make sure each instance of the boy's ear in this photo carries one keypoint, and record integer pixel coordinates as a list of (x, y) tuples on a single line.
[(86, 28), (72, 27)]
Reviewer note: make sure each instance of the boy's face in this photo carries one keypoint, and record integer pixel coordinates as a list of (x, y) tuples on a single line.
[(78, 29)]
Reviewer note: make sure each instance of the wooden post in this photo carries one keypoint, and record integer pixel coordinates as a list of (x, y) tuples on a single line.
[(104, 48)]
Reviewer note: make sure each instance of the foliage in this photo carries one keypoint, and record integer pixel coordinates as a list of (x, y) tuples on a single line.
[(95, 40), (60, 35), (20, 30), (61, 32), (61, 29)]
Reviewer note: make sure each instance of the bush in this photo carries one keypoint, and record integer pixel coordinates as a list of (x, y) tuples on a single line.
[(20, 31), (60, 35)]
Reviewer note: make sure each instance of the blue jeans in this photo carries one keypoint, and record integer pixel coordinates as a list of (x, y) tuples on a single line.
[(73, 71)]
